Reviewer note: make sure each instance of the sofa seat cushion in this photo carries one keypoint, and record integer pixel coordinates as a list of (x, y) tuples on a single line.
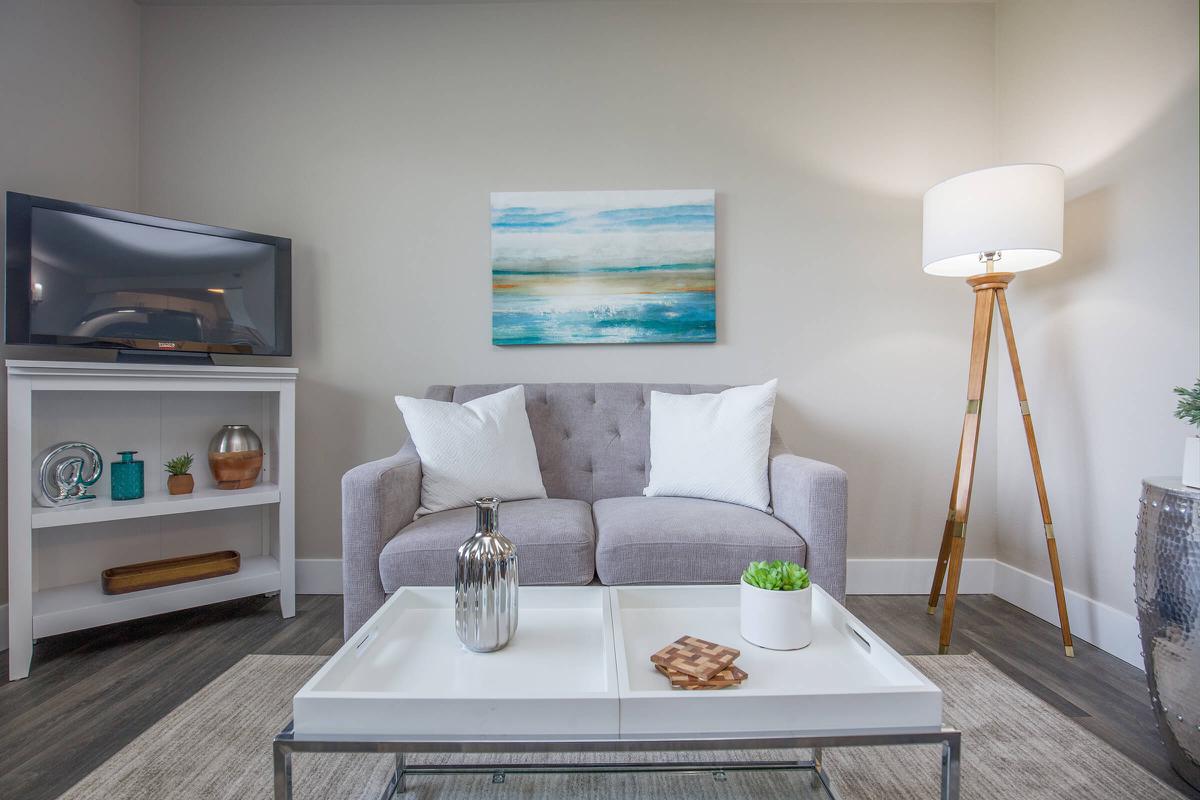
[(555, 544), (685, 540)]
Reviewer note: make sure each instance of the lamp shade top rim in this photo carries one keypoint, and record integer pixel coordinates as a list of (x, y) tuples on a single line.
[(952, 178)]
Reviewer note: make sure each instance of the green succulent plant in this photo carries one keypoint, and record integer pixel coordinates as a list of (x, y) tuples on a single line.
[(784, 576), (1188, 409), (180, 465)]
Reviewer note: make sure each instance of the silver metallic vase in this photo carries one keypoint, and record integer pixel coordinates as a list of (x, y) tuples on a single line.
[(1167, 579), (485, 583)]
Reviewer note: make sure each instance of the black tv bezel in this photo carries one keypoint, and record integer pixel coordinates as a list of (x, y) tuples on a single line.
[(18, 273)]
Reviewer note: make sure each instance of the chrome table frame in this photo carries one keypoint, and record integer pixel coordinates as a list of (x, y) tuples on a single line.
[(288, 742)]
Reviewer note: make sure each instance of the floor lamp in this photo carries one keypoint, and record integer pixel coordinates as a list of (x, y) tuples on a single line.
[(1009, 217)]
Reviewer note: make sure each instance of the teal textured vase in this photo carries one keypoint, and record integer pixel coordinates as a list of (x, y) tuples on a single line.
[(128, 477)]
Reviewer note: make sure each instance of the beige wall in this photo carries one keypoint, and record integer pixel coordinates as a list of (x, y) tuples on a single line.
[(68, 114), (372, 136), (1108, 90)]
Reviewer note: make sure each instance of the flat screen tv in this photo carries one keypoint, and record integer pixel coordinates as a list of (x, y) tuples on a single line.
[(95, 277)]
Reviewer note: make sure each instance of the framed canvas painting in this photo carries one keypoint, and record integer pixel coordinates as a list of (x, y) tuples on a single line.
[(603, 267)]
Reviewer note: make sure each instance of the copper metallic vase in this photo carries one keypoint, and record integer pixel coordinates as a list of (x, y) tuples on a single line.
[(235, 456)]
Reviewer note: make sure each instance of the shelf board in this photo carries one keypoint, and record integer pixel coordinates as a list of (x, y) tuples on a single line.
[(102, 509), (85, 605)]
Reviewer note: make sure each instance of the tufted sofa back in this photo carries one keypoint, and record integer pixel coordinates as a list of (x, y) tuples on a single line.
[(593, 439)]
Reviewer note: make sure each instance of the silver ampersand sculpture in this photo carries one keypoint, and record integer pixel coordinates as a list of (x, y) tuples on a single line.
[(64, 473)]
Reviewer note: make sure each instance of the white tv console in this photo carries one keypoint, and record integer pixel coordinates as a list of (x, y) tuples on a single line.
[(55, 555)]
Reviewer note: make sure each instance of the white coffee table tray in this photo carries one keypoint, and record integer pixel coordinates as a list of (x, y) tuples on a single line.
[(579, 666), (404, 673), (846, 681)]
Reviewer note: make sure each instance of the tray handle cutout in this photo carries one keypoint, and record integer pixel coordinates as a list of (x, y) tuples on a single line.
[(858, 637), (365, 642)]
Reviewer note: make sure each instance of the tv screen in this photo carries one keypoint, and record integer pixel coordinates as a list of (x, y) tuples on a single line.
[(82, 275)]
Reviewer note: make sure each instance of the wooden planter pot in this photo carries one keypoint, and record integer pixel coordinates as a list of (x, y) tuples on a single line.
[(180, 484)]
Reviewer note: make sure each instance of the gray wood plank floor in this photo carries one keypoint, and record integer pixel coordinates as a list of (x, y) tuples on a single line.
[(92, 692)]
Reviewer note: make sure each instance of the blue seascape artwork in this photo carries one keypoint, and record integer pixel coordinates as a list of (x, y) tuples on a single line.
[(603, 267)]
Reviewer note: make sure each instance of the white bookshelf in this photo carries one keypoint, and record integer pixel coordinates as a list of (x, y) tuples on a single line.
[(161, 410)]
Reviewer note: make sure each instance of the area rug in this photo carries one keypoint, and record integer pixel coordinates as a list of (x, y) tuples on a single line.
[(218, 745)]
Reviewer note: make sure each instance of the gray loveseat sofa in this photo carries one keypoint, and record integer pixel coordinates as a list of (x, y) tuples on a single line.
[(593, 446)]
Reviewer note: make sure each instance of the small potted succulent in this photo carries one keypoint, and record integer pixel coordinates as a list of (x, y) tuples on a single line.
[(1188, 410), (179, 479), (776, 605)]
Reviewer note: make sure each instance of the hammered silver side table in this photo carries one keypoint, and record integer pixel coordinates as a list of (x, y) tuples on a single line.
[(1167, 579)]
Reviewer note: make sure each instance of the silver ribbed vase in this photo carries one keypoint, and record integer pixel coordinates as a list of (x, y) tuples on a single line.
[(1167, 579), (485, 583)]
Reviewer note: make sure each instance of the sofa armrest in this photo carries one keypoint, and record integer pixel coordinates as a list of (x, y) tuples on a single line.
[(810, 497), (378, 499)]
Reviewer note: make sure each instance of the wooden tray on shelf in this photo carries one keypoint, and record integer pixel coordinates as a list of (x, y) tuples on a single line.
[(169, 571)]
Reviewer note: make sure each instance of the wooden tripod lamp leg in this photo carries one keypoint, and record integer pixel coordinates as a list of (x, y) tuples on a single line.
[(939, 571), (1038, 479), (981, 334)]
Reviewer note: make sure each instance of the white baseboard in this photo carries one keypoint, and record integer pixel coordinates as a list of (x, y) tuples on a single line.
[(1109, 629), (318, 576), (913, 575)]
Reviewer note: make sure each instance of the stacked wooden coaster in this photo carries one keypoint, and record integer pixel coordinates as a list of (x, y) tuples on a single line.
[(692, 663)]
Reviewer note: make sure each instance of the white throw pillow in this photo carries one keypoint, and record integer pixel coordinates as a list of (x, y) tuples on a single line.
[(712, 446), (470, 450)]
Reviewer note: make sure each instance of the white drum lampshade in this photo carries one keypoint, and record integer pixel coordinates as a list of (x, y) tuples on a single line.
[(1015, 211)]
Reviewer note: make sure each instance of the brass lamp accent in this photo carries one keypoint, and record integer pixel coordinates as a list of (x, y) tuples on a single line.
[(1011, 214)]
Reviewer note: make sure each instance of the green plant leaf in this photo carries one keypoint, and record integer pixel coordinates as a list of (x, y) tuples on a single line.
[(180, 465), (785, 576), (1188, 408)]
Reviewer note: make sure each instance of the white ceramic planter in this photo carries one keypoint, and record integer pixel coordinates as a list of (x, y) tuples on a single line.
[(776, 620), (1191, 462)]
